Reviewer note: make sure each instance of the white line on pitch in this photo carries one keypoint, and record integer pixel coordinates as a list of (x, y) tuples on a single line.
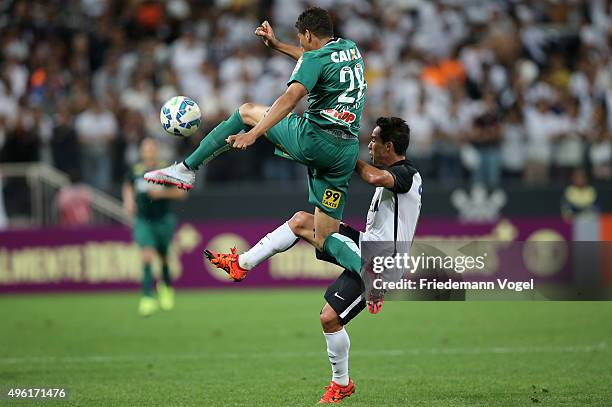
[(602, 346)]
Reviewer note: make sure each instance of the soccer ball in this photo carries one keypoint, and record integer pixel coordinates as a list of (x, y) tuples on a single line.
[(180, 116)]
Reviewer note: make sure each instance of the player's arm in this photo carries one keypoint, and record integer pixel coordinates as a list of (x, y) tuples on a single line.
[(127, 194), (397, 178), (374, 176), (279, 109), (265, 32)]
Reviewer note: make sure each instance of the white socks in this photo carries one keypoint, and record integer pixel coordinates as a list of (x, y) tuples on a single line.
[(338, 344), (274, 242)]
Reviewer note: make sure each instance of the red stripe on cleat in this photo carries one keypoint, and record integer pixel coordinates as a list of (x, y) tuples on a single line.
[(179, 185)]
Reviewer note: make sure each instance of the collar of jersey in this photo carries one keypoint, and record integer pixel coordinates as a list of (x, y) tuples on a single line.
[(400, 162), (331, 40)]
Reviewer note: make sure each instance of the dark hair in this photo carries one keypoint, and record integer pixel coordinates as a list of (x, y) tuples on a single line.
[(317, 21), (395, 130)]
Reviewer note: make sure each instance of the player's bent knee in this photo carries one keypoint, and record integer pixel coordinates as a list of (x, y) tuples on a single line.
[(330, 322), (246, 113), (299, 222)]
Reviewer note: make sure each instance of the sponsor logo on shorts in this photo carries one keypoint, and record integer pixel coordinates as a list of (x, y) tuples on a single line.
[(331, 198)]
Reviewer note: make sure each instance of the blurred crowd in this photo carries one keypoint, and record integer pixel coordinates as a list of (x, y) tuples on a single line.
[(494, 90)]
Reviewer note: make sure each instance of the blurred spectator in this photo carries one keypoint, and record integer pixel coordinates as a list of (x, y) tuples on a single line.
[(96, 128), (569, 152), (21, 144), (443, 73), (513, 144), (485, 137), (600, 152), (42, 125), (579, 198), (188, 54), (21, 141), (542, 126), (139, 96), (65, 148), (132, 132), (422, 129), (108, 82), (450, 134), (74, 203)]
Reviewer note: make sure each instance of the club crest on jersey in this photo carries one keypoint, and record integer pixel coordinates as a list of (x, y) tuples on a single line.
[(345, 55), (335, 116)]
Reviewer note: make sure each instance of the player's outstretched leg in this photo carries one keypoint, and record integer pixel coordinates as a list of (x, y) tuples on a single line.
[(338, 345), (182, 175), (238, 266)]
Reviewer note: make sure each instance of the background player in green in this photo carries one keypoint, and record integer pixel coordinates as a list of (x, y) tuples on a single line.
[(331, 72), (154, 225)]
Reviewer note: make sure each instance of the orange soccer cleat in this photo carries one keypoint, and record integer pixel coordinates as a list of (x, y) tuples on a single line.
[(227, 262), (334, 393)]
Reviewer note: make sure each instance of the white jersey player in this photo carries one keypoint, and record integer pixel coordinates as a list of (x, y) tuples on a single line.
[(392, 217)]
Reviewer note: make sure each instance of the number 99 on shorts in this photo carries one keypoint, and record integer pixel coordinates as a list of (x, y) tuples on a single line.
[(331, 198)]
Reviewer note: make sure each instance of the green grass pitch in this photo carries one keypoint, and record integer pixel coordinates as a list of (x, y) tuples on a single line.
[(240, 347)]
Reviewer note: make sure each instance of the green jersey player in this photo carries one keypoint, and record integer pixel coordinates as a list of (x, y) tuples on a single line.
[(153, 226), (330, 71)]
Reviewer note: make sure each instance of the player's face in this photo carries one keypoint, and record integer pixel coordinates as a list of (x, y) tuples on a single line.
[(148, 150), (376, 147)]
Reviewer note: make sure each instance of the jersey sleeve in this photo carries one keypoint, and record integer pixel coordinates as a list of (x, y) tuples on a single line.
[(403, 178), (306, 71)]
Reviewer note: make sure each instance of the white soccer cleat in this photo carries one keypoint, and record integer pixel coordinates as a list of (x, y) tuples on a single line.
[(176, 174)]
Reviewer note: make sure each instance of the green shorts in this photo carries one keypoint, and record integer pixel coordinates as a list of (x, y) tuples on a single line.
[(330, 160), (155, 233)]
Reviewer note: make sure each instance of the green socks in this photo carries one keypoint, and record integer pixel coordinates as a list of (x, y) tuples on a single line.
[(166, 274), (214, 143), (147, 281), (344, 250)]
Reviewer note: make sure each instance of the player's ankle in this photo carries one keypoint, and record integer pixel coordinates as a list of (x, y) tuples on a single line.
[(242, 265), (342, 381)]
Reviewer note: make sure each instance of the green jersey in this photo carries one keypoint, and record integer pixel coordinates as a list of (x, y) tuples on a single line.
[(335, 81), (147, 208)]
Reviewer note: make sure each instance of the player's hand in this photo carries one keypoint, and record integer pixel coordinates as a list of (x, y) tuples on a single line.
[(265, 32), (375, 301), (374, 306), (242, 141)]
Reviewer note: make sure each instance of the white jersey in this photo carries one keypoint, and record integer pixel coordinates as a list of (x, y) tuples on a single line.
[(394, 213)]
